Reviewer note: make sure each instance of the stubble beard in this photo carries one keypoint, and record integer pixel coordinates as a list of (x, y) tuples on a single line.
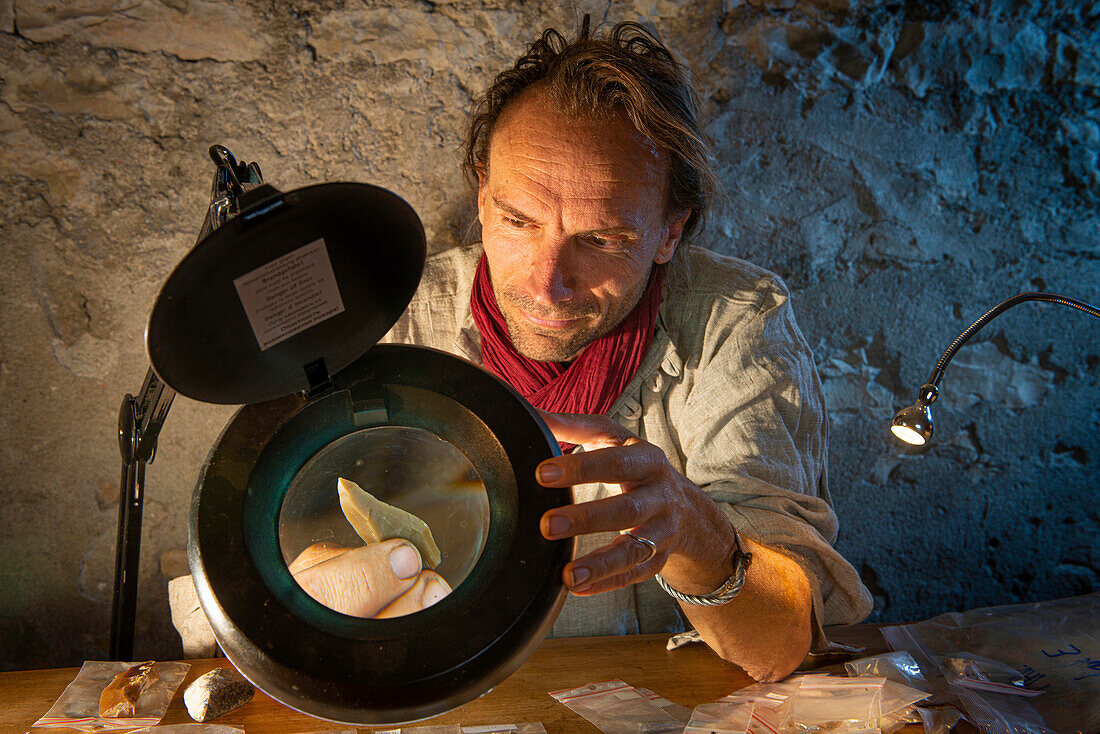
[(544, 346)]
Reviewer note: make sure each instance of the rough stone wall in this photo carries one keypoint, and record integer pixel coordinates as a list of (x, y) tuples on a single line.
[(903, 166)]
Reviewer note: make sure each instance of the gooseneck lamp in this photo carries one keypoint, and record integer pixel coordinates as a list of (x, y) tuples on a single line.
[(914, 425)]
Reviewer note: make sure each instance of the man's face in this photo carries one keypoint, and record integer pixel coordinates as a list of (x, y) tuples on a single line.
[(573, 218)]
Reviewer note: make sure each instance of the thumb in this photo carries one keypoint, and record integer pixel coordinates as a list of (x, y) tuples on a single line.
[(363, 581)]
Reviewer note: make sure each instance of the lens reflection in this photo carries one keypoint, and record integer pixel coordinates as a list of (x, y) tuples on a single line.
[(409, 469)]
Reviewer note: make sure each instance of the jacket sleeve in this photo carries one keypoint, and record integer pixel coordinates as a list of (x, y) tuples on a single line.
[(754, 437)]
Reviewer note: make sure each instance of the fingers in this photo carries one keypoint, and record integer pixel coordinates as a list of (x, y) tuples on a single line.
[(429, 589), (621, 511), (633, 463), (591, 431), (362, 581), (316, 553), (621, 562)]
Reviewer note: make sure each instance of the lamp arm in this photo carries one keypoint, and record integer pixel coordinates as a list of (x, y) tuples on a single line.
[(937, 373), (140, 419)]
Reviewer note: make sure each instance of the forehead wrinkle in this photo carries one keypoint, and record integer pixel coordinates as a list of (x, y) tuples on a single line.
[(602, 181), (528, 190), (584, 175), (579, 169)]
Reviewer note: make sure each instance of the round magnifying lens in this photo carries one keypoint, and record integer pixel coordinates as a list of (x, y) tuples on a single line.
[(397, 482)]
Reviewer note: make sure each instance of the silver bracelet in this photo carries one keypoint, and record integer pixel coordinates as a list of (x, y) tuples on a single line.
[(724, 594)]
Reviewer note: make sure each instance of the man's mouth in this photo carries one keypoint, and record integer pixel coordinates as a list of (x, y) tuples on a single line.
[(549, 323), (568, 316)]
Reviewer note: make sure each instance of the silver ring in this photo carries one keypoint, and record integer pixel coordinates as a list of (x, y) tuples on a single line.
[(652, 546)]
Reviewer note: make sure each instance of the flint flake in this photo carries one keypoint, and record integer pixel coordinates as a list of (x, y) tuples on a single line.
[(216, 693)]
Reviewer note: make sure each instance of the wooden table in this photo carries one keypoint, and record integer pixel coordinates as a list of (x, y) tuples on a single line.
[(690, 675)]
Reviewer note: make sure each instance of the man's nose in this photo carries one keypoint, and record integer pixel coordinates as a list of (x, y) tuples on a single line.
[(550, 280)]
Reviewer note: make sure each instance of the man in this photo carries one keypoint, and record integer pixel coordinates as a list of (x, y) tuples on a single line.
[(681, 374)]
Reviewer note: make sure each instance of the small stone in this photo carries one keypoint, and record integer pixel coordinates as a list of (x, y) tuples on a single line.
[(216, 693)]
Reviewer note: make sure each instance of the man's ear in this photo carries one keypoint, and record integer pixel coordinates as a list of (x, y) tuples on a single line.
[(675, 231)]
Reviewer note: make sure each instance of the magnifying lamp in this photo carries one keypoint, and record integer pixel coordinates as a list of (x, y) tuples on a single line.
[(280, 309), (914, 424)]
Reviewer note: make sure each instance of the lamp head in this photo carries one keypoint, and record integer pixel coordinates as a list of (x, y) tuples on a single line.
[(913, 425)]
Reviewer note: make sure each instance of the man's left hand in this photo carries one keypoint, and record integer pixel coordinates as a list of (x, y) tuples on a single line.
[(657, 503), (766, 629)]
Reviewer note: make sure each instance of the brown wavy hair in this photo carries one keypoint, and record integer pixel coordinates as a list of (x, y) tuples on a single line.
[(627, 69)]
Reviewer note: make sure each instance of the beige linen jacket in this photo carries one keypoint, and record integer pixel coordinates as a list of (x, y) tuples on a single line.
[(728, 390)]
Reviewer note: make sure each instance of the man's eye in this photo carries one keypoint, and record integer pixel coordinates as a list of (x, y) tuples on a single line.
[(601, 242), (512, 222)]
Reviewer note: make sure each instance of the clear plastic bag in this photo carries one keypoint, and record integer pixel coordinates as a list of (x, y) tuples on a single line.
[(898, 701), (825, 703), (940, 720), (675, 710), (899, 667), (899, 697), (1054, 644), (614, 707), (78, 705), (895, 721), (770, 702), (982, 674), (720, 718), (898, 705), (996, 713)]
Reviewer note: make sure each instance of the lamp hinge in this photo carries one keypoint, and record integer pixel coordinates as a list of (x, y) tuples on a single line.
[(319, 380)]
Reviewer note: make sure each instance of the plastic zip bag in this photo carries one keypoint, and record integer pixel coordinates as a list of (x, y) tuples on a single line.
[(829, 704), (899, 667), (898, 705), (939, 720), (899, 697), (78, 705), (1054, 644), (995, 713), (614, 707), (770, 702), (720, 718), (675, 710), (982, 674)]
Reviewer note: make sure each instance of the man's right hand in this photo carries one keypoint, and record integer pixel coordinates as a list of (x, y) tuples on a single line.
[(379, 580)]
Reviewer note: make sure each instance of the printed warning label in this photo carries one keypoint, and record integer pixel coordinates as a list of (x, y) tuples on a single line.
[(290, 294)]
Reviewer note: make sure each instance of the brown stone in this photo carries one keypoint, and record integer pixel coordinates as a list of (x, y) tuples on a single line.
[(194, 30)]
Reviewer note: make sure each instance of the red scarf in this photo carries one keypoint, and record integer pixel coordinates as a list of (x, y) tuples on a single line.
[(589, 384)]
